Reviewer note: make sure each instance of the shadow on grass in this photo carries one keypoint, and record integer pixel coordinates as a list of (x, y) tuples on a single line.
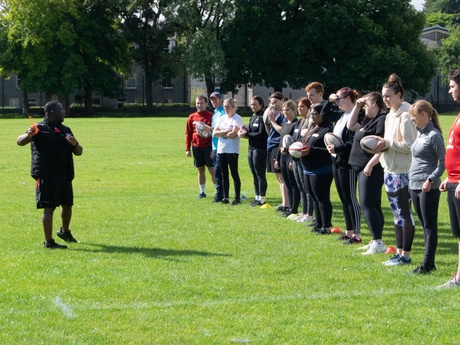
[(158, 253)]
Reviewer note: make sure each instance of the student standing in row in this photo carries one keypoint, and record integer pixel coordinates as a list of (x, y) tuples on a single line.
[(425, 174)]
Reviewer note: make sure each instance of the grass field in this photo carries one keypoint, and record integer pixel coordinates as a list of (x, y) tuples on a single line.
[(157, 265)]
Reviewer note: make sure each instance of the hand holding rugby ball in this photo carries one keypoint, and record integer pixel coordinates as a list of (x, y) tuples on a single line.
[(369, 143)]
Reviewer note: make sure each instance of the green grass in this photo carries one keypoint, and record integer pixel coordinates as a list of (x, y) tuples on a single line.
[(156, 265)]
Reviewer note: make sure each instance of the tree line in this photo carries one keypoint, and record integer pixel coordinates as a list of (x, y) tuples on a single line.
[(59, 46)]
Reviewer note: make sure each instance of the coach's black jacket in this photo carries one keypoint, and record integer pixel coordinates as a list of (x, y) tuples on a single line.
[(51, 152)]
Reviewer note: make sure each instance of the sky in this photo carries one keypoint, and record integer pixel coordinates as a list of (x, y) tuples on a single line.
[(418, 4)]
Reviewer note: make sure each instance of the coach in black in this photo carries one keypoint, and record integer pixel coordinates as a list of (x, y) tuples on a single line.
[(53, 146)]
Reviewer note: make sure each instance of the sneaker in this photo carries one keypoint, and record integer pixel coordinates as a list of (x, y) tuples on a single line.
[(53, 245), (237, 201), (285, 214), (304, 219), (66, 235), (401, 262), (292, 216), (280, 208), (315, 229), (422, 270), (225, 201), (375, 248), (452, 283), (202, 195), (255, 203), (343, 237), (323, 231), (217, 199), (393, 258), (352, 240), (297, 217), (366, 247)]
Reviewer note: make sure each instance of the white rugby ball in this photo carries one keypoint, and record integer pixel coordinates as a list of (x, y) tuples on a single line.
[(332, 139), (369, 142), (243, 131), (287, 142), (200, 129), (296, 149), (269, 110)]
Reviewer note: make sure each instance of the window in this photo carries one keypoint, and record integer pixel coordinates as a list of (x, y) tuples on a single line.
[(131, 82)]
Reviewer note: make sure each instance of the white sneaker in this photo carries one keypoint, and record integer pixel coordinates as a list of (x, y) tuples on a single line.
[(366, 247), (375, 248), (292, 216), (452, 283), (297, 217)]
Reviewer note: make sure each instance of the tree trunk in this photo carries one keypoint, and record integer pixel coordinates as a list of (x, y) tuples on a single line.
[(88, 101), (25, 102), (210, 86), (148, 88)]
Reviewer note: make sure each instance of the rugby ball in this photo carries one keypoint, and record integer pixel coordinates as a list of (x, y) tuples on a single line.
[(243, 131), (269, 110), (369, 142), (296, 149), (287, 142), (200, 129), (332, 139)]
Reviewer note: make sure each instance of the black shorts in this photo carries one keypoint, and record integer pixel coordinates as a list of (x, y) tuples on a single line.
[(202, 156), (53, 192), (271, 158)]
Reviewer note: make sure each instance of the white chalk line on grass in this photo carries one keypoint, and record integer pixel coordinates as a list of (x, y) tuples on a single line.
[(245, 300), (65, 308)]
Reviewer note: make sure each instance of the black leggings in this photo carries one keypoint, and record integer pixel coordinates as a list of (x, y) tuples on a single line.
[(319, 187), (370, 199), (230, 160), (345, 182), (257, 159), (426, 206), (305, 197), (289, 182)]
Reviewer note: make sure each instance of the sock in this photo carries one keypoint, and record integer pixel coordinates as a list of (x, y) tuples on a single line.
[(262, 199), (257, 197), (202, 188)]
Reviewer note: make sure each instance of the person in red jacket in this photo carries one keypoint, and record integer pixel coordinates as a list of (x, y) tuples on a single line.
[(452, 183), (200, 143)]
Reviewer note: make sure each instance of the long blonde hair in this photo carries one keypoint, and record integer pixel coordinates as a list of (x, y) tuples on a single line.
[(422, 105)]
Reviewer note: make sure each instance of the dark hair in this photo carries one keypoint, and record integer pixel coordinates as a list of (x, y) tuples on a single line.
[(394, 83), (455, 75), (51, 106), (317, 107), (347, 92), (376, 97), (305, 101), (315, 85), (259, 99), (422, 105), (204, 98), (277, 95)]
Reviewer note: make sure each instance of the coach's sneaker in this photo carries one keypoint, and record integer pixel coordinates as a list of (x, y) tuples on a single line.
[(66, 235), (53, 245), (375, 248), (452, 283)]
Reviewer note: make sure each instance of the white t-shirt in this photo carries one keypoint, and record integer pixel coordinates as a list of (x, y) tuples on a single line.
[(224, 123)]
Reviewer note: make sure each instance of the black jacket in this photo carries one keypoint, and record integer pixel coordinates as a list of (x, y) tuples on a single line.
[(50, 147)]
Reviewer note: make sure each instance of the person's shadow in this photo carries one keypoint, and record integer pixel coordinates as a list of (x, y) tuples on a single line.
[(157, 253)]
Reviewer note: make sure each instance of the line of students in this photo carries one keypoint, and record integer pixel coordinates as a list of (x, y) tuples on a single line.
[(408, 160)]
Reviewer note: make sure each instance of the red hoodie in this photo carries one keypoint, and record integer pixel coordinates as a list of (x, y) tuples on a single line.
[(452, 160)]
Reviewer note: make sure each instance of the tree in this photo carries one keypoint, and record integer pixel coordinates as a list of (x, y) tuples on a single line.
[(443, 6), (199, 26), (363, 42), (73, 44), (449, 53), (147, 25)]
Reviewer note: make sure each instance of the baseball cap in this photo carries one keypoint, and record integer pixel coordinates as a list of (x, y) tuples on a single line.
[(215, 95)]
